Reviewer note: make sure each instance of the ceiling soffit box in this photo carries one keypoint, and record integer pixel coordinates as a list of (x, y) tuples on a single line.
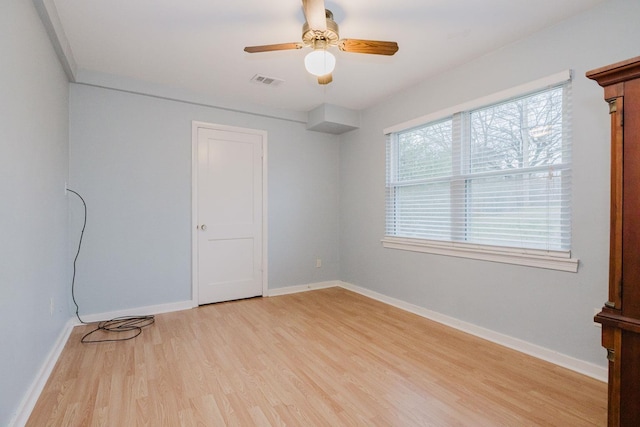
[(333, 119)]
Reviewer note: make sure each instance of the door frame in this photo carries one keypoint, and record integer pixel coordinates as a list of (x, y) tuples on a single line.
[(195, 125)]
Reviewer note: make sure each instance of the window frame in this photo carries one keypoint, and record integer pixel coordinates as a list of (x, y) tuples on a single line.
[(548, 259)]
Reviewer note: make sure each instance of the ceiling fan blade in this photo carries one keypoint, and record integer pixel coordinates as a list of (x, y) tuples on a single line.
[(374, 47), (326, 79), (273, 47), (315, 14)]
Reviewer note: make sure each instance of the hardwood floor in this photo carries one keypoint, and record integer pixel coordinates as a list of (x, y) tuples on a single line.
[(322, 358)]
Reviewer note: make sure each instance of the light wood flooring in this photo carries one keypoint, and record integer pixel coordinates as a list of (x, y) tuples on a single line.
[(322, 358)]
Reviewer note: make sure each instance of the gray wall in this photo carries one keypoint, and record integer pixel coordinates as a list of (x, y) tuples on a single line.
[(548, 308), (33, 219), (130, 157)]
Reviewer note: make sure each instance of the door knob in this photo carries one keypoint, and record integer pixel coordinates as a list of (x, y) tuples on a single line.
[(203, 227)]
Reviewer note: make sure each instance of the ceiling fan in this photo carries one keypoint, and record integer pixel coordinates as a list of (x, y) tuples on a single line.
[(321, 32)]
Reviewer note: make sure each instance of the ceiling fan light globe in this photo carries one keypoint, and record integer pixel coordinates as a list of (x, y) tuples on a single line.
[(320, 62)]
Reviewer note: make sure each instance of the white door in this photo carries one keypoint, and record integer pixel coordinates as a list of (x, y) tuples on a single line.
[(229, 214)]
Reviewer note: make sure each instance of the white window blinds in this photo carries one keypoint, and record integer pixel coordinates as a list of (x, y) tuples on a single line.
[(496, 175)]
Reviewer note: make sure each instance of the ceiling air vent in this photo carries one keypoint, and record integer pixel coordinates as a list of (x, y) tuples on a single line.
[(267, 81)]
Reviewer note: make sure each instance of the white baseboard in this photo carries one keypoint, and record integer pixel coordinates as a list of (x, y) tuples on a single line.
[(577, 365), (33, 392), (586, 368), (140, 311), (589, 369), (303, 288)]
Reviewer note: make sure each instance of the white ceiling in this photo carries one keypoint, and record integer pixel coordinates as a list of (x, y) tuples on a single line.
[(196, 46)]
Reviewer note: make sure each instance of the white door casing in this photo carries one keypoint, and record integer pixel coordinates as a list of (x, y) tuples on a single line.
[(229, 213)]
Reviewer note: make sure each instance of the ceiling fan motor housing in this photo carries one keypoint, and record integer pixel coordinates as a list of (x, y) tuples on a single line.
[(328, 37)]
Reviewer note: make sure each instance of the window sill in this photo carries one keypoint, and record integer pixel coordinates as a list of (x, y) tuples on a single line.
[(551, 260)]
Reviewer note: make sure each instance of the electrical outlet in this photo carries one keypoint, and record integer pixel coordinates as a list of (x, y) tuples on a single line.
[(318, 262)]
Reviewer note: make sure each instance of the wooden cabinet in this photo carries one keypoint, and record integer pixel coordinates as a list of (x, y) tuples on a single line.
[(620, 316)]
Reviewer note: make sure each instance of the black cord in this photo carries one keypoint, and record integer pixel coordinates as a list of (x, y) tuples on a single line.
[(73, 279), (119, 324)]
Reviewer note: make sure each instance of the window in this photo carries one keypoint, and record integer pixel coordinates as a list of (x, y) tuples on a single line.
[(495, 178)]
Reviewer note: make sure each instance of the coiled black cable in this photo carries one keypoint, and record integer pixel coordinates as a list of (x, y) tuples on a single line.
[(119, 324)]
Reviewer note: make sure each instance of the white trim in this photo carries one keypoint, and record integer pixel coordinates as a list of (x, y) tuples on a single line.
[(522, 89), (589, 369), (586, 368), (302, 288), (35, 389), (551, 260), (194, 212), (265, 218), (140, 311), (51, 21), (195, 125), (33, 392)]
